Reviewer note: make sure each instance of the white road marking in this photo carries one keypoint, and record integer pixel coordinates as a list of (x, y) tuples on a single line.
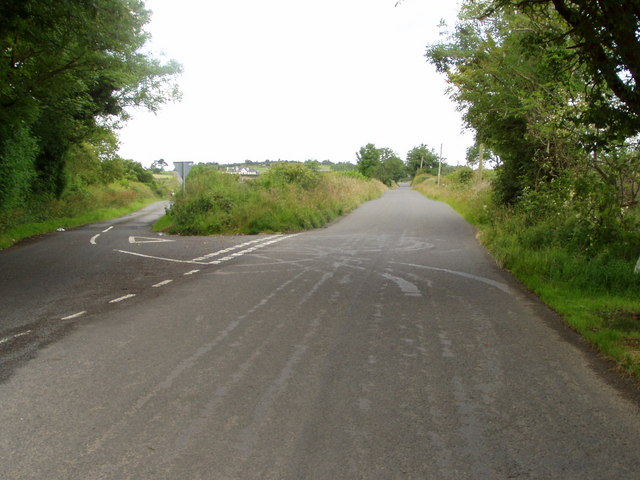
[(198, 261), (75, 315), (17, 335), (265, 243), (191, 272), (120, 299), (22, 334), (499, 285), (133, 239), (95, 237), (161, 284), (408, 288), (230, 249), (160, 258)]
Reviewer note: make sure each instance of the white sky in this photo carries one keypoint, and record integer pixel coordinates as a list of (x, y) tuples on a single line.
[(297, 80)]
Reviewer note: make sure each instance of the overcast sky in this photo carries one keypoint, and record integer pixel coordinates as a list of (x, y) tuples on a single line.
[(297, 80)]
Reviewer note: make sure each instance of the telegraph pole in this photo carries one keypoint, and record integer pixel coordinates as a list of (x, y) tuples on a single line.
[(439, 164)]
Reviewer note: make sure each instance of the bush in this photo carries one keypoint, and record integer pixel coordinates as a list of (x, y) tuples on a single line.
[(352, 174), (17, 169), (287, 174), (290, 197), (462, 176)]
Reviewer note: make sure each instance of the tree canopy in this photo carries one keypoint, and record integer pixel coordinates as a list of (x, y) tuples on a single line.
[(422, 158), (380, 163), (549, 87), (68, 69), (605, 37)]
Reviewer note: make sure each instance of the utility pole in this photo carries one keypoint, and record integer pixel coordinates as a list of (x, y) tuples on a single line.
[(439, 164)]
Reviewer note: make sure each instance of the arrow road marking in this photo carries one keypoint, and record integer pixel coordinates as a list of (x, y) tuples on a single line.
[(95, 237), (159, 258), (133, 239)]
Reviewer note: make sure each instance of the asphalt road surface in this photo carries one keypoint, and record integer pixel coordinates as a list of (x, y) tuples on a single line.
[(387, 345)]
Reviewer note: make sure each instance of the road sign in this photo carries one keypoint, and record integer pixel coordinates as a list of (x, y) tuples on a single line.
[(183, 170)]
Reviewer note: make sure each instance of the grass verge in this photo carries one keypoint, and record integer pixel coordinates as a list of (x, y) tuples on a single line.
[(75, 208), (595, 291)]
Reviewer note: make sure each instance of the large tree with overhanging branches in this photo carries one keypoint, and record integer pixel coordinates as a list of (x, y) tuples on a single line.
[(67, 69)]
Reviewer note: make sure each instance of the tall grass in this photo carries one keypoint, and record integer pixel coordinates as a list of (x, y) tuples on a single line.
[(289, 197), (587, 279), (79, 205)]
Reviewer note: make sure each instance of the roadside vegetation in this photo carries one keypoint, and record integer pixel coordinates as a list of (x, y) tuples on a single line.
[(69, 71), (94, 190), (551, 90), (580, 270), (288, 197)]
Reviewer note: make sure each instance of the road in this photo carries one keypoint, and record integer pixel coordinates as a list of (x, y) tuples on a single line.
[(387, 345)]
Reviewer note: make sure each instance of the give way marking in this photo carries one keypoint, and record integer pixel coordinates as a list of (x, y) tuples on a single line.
[(148, 240)]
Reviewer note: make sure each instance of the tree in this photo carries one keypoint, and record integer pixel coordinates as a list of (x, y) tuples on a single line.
[(392, 169), (158, 166), (380, 163), (368, 160), (312, 164), (68, 68), (605, 37), (422, 158), (525, 75), (515, 91)]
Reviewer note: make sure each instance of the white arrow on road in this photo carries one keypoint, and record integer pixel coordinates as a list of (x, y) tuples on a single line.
[(148, 240)]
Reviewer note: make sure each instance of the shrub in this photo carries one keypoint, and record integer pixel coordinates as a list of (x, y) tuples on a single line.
[(289, 197), (462, 176)]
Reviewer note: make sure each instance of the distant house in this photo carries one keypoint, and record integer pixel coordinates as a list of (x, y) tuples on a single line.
[(244, 171)]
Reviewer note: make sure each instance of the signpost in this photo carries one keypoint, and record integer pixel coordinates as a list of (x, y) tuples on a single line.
[(183, 170)]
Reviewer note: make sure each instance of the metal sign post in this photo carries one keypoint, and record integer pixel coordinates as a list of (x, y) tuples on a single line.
[(183, 170)]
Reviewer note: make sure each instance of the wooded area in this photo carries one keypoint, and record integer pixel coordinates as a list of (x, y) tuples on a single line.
[(68, 71), (550, 88)]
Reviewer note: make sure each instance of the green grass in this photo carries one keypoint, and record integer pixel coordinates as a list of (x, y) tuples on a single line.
[(287, 198), (76, 208), (594, 290)]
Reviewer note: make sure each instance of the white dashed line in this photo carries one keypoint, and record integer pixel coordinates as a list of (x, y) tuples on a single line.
[(75, 315), (161, 284), (17, 335), (191, 272), (22, 334), (120, 299), (105, 231)]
